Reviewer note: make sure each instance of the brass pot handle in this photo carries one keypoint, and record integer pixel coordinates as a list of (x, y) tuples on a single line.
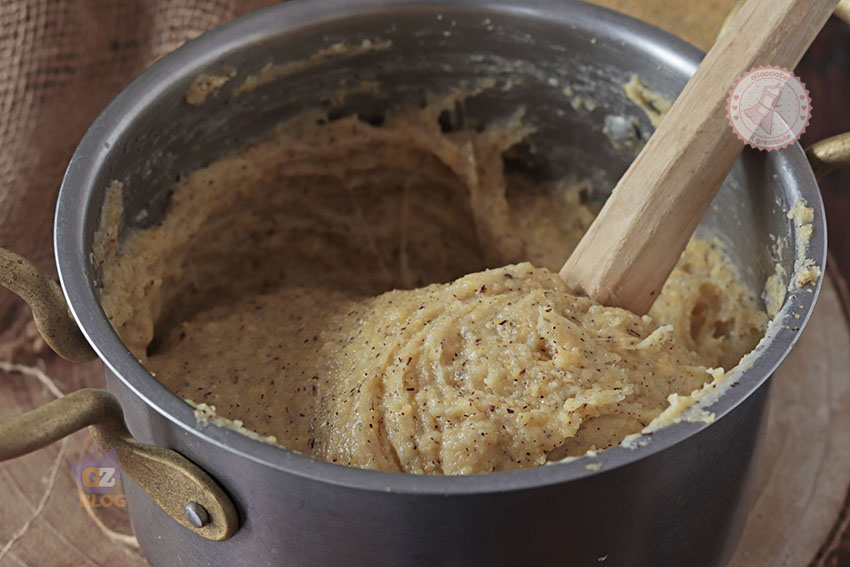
[(49, 309), (178, 486), (843, 10), (829, 154)]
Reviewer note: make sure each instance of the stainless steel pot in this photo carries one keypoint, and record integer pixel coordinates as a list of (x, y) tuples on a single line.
[(676, 501)]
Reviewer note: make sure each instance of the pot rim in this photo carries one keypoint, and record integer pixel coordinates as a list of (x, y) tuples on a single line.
[(75, 201)]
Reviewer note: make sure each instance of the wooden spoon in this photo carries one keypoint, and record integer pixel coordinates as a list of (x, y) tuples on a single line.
[(630, 249)]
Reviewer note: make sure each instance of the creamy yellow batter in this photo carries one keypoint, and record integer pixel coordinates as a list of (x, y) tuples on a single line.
[(267, 292)]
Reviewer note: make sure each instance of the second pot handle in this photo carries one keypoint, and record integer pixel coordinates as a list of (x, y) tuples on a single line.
[(829, 154), (843, 10), (49, 309), (178, 486)]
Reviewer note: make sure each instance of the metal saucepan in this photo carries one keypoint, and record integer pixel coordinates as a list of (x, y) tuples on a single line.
[(675, 501)]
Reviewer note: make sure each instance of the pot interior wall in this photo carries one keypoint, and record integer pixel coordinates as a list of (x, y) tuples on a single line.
[(435, 49)]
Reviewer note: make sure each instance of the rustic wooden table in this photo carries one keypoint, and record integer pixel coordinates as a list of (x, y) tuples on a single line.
[(801, 512)]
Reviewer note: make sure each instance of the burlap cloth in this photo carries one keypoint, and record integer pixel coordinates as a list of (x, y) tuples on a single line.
[(61, 62)]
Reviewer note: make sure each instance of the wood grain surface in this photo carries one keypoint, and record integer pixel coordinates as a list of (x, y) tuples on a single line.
[(826, 71), (804, 470), (800, 515)]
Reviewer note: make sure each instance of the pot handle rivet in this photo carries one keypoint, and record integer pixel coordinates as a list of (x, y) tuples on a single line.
[(196, 514), (168, 477)]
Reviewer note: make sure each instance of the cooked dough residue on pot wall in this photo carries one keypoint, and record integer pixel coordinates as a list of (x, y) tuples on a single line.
[(206, 84), (274, 72), (387, 298), (653, 104), (806, 271)]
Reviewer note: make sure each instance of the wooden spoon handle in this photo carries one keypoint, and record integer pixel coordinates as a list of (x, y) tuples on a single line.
[(630, 249)]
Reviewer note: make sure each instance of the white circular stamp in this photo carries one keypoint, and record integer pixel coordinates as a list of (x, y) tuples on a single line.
[(769, 108)]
